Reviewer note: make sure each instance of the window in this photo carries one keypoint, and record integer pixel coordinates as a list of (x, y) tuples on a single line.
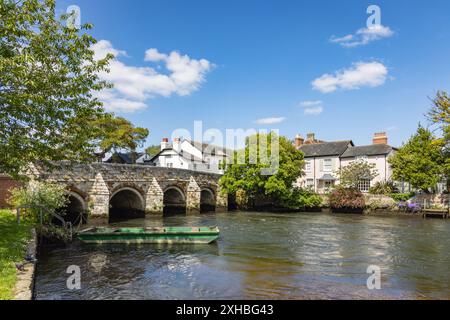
[(195, 166), (329, 185), (308, 166), (362, 158), (170, 165), (310, 183), (327, 165), (364, 185), (208, 166)]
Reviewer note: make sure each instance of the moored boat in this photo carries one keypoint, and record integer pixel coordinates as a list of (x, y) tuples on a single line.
[(169, 235)]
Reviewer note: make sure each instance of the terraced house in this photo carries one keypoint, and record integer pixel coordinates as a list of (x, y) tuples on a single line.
[(323, 160)]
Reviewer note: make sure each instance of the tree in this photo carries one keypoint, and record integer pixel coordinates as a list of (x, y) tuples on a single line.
[(419, 161), (440, 115), (117, 133), (48, 75), (249, 179), (153, 150), (352, 174), (38, 195)]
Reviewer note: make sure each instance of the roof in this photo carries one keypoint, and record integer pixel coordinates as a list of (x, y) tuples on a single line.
[(372, 150), (336, 148), (125, 157), (210, 149), (328, 177), (183, 154)]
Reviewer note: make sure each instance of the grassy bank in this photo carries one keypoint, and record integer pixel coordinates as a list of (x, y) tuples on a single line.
[(13, 241)]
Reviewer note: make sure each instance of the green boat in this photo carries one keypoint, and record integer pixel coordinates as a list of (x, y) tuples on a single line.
[(163, 235)]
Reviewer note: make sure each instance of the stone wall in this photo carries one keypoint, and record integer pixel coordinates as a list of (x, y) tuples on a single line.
[(96, 183)]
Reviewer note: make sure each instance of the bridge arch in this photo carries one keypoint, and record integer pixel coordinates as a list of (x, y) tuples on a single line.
[(174, 201), (126, 203), (207, 200), (75, 210)]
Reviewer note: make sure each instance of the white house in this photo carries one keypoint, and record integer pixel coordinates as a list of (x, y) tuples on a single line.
[(190, 155), (323, 160)]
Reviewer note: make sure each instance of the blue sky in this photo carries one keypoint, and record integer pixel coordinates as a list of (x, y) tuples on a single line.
[(252, 60)]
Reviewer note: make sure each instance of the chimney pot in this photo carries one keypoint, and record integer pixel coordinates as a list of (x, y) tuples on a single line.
[(299, 141), (380, 138)]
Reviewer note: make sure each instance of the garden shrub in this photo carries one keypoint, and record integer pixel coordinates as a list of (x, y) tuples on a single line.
[(384, 188), (402, 196), (346, 199)]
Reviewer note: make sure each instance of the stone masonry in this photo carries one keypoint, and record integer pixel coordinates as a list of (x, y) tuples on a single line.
[(95, 184)]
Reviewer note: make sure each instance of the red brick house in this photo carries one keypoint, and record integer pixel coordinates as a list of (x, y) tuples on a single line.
[(6, 183)]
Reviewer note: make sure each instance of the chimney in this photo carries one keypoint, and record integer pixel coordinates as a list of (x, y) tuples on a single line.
[(299, 141), (177, 144), (164, 143), (311, 137), (380, 138)]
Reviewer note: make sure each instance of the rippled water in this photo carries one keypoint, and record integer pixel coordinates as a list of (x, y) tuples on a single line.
[(263, 256)]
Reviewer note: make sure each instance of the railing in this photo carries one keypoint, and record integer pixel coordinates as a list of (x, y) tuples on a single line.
[(66, 224)]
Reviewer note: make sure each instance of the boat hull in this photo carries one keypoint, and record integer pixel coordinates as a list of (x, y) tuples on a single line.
[(153, 236)]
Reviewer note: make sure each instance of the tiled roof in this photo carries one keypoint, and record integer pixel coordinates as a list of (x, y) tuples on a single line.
[(210, 149), (336, 148), (372, 150)]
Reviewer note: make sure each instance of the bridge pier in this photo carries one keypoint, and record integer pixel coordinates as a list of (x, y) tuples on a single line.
[(154, 201), (193, 197), (222, 201), (99, 198)]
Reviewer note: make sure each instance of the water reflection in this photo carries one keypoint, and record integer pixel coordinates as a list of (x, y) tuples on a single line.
[(262, 256)]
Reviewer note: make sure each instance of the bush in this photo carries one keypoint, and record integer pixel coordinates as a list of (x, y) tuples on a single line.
[(384, 187), (342, 199), (39, 195), (300, 198), (402, 196)]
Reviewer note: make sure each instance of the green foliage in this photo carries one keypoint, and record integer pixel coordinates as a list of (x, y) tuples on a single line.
[(420, 161), (48, 75), (352, 174), (299, 198), (402, 196), (117, 133), (346, 198), (384, 187), (37, 195), (153, 150), (250, 178), (440, 115), (13, 242)]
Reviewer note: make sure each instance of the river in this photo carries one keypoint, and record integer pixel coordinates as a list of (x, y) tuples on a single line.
[(262, 256)]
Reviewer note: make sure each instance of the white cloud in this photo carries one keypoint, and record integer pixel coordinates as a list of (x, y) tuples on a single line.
[(310, 103), (133, 86), (270, 120), (363, 36), (361, 74), (312, 107)]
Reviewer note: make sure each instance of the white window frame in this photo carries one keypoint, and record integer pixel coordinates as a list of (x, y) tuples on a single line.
[(327, 163), (364, 185), (308, 166), (310, 183)]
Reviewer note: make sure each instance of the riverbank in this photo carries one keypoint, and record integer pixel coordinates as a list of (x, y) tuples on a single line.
[(13, 248)]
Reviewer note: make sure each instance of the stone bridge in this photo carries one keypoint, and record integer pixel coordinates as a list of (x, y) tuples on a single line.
[(105, 190)]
